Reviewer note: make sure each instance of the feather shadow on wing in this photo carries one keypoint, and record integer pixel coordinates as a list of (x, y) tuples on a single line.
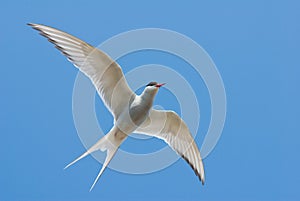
[(111, 85)]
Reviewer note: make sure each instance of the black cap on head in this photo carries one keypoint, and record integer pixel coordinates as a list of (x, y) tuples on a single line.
[(152, 84)]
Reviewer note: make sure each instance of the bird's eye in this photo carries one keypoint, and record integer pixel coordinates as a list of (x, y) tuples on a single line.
[(152, 84)]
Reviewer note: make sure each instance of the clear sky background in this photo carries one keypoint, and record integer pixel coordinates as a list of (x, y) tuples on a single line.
[(255, 45)]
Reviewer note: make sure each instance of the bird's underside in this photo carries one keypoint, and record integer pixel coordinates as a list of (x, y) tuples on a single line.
[(132, 113)]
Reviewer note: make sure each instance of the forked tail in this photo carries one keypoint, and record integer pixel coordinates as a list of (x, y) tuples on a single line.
[(110, 143)]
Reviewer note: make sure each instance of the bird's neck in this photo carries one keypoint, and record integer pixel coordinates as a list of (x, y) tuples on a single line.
[(148, 96)]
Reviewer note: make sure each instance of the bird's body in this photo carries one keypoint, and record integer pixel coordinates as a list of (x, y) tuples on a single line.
[(132, 113)]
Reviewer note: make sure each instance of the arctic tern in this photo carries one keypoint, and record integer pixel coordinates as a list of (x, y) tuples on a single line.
[(131, 112)]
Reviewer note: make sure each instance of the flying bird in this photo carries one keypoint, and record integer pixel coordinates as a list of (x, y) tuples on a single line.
[(131, 112)]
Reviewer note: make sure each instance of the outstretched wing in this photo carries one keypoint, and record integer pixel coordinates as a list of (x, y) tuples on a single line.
[(167, 125), (106, 75)]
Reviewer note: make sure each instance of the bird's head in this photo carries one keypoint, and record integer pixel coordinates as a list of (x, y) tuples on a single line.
[(153, 87)]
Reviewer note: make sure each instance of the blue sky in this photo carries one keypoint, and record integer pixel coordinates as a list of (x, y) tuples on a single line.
[(255, 46)]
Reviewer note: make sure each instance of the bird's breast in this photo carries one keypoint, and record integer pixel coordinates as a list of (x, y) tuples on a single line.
[(134, 115)]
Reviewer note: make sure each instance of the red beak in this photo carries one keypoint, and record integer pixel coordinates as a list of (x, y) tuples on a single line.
[(160, 85)]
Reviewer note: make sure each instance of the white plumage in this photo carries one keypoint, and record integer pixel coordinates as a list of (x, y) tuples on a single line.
[(132, 113)]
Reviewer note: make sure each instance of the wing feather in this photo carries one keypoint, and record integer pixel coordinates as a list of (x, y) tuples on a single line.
[(167, 125), (106, 74)]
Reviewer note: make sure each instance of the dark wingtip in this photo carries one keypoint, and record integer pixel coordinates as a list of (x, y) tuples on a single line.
[(30, 24), (195, 170), (34, 26)]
